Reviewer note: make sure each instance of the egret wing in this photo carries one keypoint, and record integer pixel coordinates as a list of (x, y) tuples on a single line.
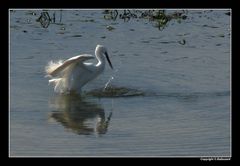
[(70, 62)]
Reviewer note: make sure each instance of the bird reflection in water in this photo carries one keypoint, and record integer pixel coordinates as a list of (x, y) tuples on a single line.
[(80, 115)]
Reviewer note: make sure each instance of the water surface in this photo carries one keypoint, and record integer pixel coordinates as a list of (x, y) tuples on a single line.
[(178, 79)]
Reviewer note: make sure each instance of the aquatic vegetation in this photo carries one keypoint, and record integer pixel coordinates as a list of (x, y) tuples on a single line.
[(45, 18), (159, 18)]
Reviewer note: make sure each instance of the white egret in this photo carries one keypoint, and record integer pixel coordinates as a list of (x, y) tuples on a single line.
[(71, 75)]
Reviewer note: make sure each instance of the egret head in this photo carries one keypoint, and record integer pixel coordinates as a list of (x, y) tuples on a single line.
[(100, 49)]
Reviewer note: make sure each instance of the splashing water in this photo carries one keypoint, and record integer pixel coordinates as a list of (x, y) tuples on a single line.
[(106, 85), (110, 79)]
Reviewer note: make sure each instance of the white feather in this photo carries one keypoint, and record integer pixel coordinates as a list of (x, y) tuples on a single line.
[(72, 74), (52, 66)]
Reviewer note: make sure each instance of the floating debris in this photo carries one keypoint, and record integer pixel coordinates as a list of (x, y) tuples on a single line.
[(110, 28), (164, 52), (175, 59), (209, 26), (61, 33), (221, 35), (184, 34), (86, 20), (182, 42), (77, 36), (166, 42)]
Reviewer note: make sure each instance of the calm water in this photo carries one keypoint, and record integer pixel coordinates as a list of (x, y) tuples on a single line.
[(185, 109)]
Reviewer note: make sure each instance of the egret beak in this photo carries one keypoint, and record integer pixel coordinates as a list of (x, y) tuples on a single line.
[(110, 64)]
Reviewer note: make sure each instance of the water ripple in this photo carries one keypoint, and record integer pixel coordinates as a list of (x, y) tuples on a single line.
[(114, 91)]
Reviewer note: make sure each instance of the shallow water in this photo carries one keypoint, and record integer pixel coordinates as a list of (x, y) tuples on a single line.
[(184, 106)]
